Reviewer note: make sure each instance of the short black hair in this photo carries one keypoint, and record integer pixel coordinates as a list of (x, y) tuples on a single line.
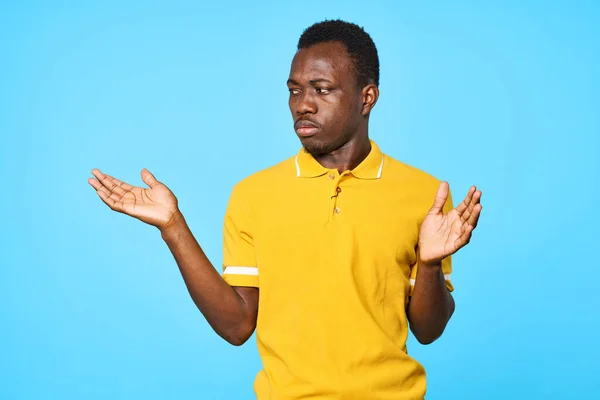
[(359, 45)]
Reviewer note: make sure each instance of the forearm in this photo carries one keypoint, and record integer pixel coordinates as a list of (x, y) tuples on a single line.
[(431, 304), (224, 309)]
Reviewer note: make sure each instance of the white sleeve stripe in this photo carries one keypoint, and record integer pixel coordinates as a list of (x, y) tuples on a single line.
[(446, 277), (241, 271)]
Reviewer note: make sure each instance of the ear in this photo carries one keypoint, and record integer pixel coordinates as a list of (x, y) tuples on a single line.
[(370, 94)]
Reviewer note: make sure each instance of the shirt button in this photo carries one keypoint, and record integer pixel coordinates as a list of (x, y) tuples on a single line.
[(338, 189), (331, 176), (336, 210)]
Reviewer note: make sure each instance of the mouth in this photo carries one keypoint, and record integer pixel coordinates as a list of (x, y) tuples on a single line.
[(306, 128)]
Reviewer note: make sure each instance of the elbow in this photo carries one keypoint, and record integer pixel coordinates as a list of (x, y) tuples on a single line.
[(237, 341), (426, 339), (239, 335), (429, 328), (429, 334)]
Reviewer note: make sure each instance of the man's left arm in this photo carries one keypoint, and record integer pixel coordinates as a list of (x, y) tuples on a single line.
[(431, 304), (441, 234)]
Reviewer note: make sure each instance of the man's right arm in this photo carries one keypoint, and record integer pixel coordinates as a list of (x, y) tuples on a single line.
[(230, 311)]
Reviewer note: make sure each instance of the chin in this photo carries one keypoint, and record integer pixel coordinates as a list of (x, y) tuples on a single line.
[(315, 147)]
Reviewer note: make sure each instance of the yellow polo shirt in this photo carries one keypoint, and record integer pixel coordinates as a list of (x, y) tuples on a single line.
[(334, 258)]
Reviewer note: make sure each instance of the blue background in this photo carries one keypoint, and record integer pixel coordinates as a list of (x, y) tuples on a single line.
[(92, 305)]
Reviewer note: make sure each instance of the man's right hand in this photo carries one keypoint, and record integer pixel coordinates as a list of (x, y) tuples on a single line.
[(155, 205), (232, 312)]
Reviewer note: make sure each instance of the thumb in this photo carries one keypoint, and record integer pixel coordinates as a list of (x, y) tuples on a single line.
[(440, 198), (148, 178)]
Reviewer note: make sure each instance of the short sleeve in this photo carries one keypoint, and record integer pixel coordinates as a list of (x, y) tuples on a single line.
[(239, 258), (446, 262)]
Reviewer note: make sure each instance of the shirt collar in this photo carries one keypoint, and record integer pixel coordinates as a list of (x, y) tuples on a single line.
[(370, 168)]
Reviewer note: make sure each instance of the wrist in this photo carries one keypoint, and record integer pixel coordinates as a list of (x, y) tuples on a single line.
[(174, 225), (430, 264)]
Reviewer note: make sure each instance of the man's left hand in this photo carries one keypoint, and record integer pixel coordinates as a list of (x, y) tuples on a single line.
[(442, 234)]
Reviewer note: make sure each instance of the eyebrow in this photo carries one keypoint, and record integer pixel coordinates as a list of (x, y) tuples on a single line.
[(320, 81), (312, 82)]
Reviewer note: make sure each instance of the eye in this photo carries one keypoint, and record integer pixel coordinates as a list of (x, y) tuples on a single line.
[(294, 92), (322, 90)]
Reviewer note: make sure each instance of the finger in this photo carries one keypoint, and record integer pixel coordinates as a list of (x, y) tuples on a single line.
[(108, 182), (99, 174), (474, 217), (99, 186), (113, 185), (121, 184), (111, 199), (466, 201), (475, 199), (113, 204), (464, 238), (149, 179), (440, 198)]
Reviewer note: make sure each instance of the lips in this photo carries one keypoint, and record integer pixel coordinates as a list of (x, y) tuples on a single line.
[(306, 128)]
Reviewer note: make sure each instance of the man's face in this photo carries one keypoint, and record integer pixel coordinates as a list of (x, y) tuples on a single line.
[(325, 99)]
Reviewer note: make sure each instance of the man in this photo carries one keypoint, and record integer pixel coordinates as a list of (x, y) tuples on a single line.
[(342, 246)]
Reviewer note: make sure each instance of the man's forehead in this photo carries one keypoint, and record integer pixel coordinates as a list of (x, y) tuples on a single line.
[(325, 58)]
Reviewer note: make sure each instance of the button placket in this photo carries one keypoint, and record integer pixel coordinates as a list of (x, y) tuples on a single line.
[(334, 191), (335, 194)]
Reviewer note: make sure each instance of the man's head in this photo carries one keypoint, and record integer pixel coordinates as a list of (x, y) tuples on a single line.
[(333, 85)]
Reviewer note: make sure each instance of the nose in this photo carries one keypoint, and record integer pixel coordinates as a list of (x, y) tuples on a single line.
[(306, 104)]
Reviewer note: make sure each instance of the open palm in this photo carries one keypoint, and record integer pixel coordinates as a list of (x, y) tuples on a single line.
[(442, 234), (155, 205)]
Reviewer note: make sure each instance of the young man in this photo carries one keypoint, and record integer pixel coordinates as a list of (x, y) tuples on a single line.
[(342, 246)]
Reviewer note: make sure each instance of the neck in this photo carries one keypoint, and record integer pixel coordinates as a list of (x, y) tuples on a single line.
[(348, 156)]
